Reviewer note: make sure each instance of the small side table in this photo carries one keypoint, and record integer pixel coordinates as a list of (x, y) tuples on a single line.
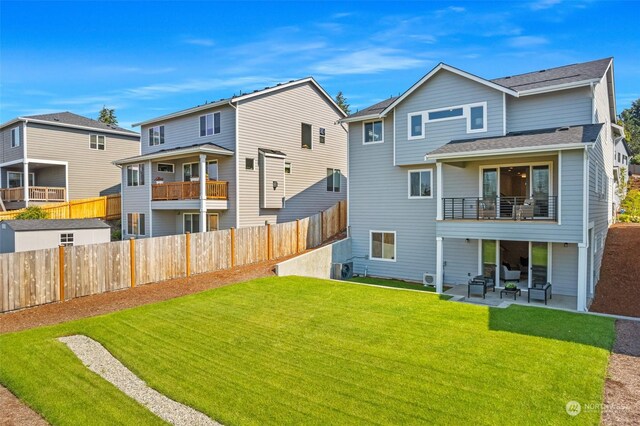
[(511, 291)]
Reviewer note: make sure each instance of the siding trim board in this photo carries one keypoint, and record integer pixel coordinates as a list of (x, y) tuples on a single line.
[(521, 150)]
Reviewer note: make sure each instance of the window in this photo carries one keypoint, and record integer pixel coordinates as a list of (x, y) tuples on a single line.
[(306, 136), (156, 135), (212, 170), (135, 224), (249, 163), (333, 180), (66, 240), (210, 124), (15, 137), (415, 126), (191, 222), (420, 184), (373, 132), (287, 168), (96, 142), (383, 245), (191, 171), (444, 114), (15, 179), (322, 134), (624, 159), (165, 168), (476, 118), (619, 159), (135, 175)]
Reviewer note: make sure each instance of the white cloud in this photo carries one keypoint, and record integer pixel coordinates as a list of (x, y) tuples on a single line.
[(544, 4), (368, 61), (205, 42), (128, 69), (527, 41)]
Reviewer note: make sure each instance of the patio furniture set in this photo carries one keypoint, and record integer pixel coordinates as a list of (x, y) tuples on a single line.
[(481, 284)]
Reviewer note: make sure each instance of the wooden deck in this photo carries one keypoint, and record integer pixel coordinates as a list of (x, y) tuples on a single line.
[(36, 193), (215, 190)]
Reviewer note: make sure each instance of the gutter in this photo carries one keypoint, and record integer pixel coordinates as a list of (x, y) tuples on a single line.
[(524, 150), (564, 86), (72, 126), (360, 118)]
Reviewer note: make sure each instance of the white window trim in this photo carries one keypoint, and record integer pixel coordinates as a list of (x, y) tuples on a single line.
[(333, 188), (363, 132), (104, 142), (419, 197), (467, 112), (529, 164), (173, 167), (184, 231), (151, 141), (217, 168), (422, 134), (18, 137), (144, 231), (290, 168), (32, 174), (213, 124), (67, 243), (395, 246)]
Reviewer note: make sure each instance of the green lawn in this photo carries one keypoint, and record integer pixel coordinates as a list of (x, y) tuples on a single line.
[(304, 351), (384, 282)]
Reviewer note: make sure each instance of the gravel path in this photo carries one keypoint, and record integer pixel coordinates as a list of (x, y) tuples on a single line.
[(100, 361)]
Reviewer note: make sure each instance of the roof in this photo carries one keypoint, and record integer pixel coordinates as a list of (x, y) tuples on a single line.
[(55, 224), (272, 152), (201, 148), (551, 138), (243, 97), (69, 119), (374, 109), (624, 144), (582, 72)]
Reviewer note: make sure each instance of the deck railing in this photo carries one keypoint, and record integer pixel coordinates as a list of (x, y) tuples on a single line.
[(500, 208), (215, 190), (36, 193)]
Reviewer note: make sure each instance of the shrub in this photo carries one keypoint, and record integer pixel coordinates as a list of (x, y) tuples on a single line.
[(31, 213)]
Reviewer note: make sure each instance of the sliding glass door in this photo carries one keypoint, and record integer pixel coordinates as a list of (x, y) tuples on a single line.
[(539, 260)]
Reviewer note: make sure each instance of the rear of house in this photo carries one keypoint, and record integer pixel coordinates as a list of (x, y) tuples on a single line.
[(64, 157), (509, 178), (272, 155)]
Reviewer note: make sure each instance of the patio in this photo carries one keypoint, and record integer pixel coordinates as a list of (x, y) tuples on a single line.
[(459, 293)]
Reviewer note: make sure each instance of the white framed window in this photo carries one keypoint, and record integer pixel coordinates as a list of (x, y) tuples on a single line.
[(445, 113), (322, 133), (191, 172), (333, 180), (416, 126), (135, 174), (306, 139), (249, 163), (287, 168), (210, 124), (97, 142), (212, 170), (420, 183), (16, 179), (476, 117), (135, 224), (382, 245), (191, 222), (165, 168), (66, 239), (373, 132), (15, 137), (156, 135)]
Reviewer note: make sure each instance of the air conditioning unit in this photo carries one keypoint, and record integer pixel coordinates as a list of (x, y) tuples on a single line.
[(342, 271), (428, 279)]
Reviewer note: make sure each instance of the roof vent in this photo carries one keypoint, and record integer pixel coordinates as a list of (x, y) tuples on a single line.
[(507, 77), (542, 71), (562, 129), (56, 119)]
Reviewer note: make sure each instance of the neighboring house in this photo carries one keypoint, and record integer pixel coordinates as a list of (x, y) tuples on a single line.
[(65, 156), (25, 235), (460, 174), (621, 156), (273, 155)]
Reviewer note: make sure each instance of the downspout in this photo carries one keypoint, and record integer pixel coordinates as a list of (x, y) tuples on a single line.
[(237, 182)]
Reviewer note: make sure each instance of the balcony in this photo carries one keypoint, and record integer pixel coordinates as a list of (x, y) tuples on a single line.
[(215, 190), (500, 208), (36, 193)]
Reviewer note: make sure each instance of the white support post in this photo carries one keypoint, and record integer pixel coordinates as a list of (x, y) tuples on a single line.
[(439, 191), (498, 268), (439, 266), (25, 182), (203, 193), (581, 304)]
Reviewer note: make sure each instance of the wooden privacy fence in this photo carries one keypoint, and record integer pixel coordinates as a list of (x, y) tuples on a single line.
[(105, 207), (43, 276)]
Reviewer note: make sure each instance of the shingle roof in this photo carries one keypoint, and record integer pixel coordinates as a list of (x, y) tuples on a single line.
[(374, 109), (272, 151), (78, 120), (54, 224), (531, 138), (219, 149), (555, 76)]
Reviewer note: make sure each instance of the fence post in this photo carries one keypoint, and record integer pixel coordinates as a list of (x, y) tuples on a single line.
[(188, 253), (61, 270), (339, 217), (297, 235), (322, 227), (132, 261), (269, 243), (233, 247)]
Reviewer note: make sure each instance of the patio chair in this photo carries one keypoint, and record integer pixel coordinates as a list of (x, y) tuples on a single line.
[(540, 291), (525, 210), (509, 275), (477, 283), (486, 209)]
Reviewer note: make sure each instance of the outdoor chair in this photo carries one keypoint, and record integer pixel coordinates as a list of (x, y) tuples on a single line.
[(509, 275), (478, 283), (539, 291), (487, 209), (525, 210)]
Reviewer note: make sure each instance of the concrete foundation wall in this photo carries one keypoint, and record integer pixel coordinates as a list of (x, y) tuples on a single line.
[(316, 263)]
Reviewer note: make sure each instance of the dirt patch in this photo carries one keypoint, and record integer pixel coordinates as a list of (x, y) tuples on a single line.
[(618, 291), (14, 413), (622, 388), (99, 304)]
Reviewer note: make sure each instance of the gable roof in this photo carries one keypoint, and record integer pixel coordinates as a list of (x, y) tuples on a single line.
[(69, 119), (54, 224), (372, 111), (532, 140), (584, 72), (244, 97), (181, 151), (622, 140)]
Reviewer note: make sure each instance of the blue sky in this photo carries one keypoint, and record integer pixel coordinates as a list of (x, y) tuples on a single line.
[(147, 59)]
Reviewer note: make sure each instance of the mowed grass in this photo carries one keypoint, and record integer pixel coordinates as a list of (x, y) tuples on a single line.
[(304, 351), (385, 282)]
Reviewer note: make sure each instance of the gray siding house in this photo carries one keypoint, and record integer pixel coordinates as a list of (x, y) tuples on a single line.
[(65, 156), (270, 156), (463, 176)]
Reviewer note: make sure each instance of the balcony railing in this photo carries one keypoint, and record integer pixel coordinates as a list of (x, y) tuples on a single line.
[(36, 193), (215, 190), (500, 208)]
